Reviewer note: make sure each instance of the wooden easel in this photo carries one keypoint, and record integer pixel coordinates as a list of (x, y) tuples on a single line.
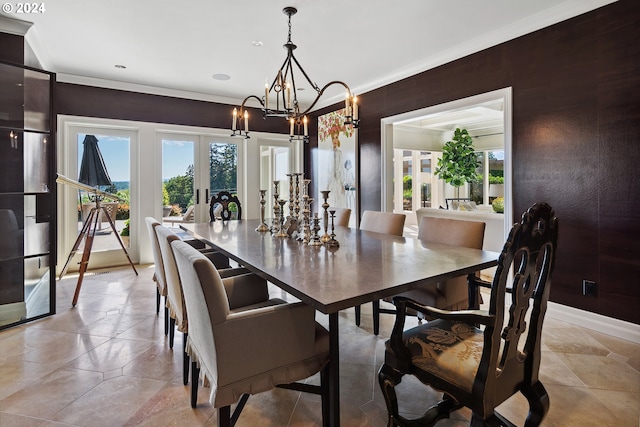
[(88, 231)]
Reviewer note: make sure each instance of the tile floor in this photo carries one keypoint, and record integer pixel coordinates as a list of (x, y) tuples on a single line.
[(106, 362)]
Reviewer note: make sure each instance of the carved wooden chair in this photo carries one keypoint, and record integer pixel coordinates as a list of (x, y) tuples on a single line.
[(473, 356), (225, 206), (240, 349)]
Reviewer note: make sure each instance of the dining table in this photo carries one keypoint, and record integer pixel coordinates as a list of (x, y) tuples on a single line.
[(365, 267)]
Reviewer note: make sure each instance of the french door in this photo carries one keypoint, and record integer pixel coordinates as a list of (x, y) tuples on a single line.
[(194, 167)]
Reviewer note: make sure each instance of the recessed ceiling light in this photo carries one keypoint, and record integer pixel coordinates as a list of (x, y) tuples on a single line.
[(257, 43), (120, 66), (221, 76)]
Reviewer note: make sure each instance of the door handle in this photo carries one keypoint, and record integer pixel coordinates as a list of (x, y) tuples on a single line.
[(206, 192), (198, 196)]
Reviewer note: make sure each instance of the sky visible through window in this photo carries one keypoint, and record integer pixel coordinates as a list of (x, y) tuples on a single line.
[(115, 152)]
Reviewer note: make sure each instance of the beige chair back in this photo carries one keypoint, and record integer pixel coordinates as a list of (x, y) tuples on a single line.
[(161, 282), (383, 222), (342, 216), (175, 298), (452, 294), (454, 232)]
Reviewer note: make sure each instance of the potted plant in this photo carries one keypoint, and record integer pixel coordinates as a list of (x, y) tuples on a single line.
[(166, 207), (459, 163), (124, 234)]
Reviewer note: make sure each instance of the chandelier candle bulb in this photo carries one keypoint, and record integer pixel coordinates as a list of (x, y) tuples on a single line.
[(266, 94), (355, 108), (306, 127), (235, 118), (292, 123), (246, 121)]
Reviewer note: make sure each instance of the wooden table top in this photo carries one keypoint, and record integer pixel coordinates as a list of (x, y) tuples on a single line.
[(367, 266)]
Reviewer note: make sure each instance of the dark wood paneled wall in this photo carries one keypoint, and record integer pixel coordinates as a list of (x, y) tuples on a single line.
[(576, 127), (89, 101), (576, 142)]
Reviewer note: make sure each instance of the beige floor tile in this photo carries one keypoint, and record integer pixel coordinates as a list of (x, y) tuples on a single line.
[(113, 354), (111, 403), (45, 397), (604, 373)]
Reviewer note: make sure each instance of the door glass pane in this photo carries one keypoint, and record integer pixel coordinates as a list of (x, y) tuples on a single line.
[(496, 174), (114, 151), (407, 182), (477, 188), (223, 167), (177, 176)]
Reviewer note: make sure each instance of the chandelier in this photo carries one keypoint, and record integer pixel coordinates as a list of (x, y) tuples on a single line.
[(281, 100)]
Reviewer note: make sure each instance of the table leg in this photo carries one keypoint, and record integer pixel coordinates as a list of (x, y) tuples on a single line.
[(334, 372)]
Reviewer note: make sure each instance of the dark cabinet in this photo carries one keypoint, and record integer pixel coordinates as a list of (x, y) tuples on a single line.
[(27, 194)]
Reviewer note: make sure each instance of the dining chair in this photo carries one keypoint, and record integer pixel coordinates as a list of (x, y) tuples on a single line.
[(158, 275), (342, 216), (175, 300), (380, 222), (474, 357), (238, 351), (451, 294), (225, 206)]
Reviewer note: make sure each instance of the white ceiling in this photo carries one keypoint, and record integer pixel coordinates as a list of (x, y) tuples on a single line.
[(174, 48)]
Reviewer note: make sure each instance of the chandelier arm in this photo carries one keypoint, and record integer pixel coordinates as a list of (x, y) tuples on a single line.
[(304, 73), (248, 98), (322, 91)]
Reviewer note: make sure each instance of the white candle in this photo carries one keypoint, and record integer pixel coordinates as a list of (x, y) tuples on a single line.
[(266, 94), (291, 132), (355, 107), (235, 118), (289, 94), (246, 121), (346, 104), (306, 128)]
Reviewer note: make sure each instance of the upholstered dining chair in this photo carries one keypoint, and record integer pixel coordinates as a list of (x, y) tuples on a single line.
[(342, 216), (451, 294), (473, 356), (385, 223), (175, 299), (246, 350), (158, 275)]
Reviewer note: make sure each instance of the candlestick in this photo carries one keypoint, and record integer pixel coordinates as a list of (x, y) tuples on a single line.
[(283, 230), (263, 226), (325, 217), (275, 225), (332, 243)]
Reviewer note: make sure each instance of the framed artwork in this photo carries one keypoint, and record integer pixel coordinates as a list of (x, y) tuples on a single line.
[(337, 163)]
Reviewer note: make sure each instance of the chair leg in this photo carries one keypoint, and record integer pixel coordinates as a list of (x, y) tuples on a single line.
[(538, 404), (157, 301), (388, 378), (195, 373), (186, 359), (224, 416), (324, 385), (376, 316), (166, 317), (172, 331), (357, 307)]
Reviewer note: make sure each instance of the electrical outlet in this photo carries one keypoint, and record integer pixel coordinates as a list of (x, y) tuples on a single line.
[(588, 288)]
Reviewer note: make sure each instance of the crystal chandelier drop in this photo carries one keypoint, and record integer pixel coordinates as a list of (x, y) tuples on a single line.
[(281, 100)]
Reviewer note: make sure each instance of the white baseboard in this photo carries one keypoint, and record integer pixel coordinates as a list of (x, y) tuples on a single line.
[(597, 322)]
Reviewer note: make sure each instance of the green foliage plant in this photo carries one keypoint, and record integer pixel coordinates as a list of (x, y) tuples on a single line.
[(459, 163)]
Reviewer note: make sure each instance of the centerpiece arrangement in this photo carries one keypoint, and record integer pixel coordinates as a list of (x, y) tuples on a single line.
[(300, 224)]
